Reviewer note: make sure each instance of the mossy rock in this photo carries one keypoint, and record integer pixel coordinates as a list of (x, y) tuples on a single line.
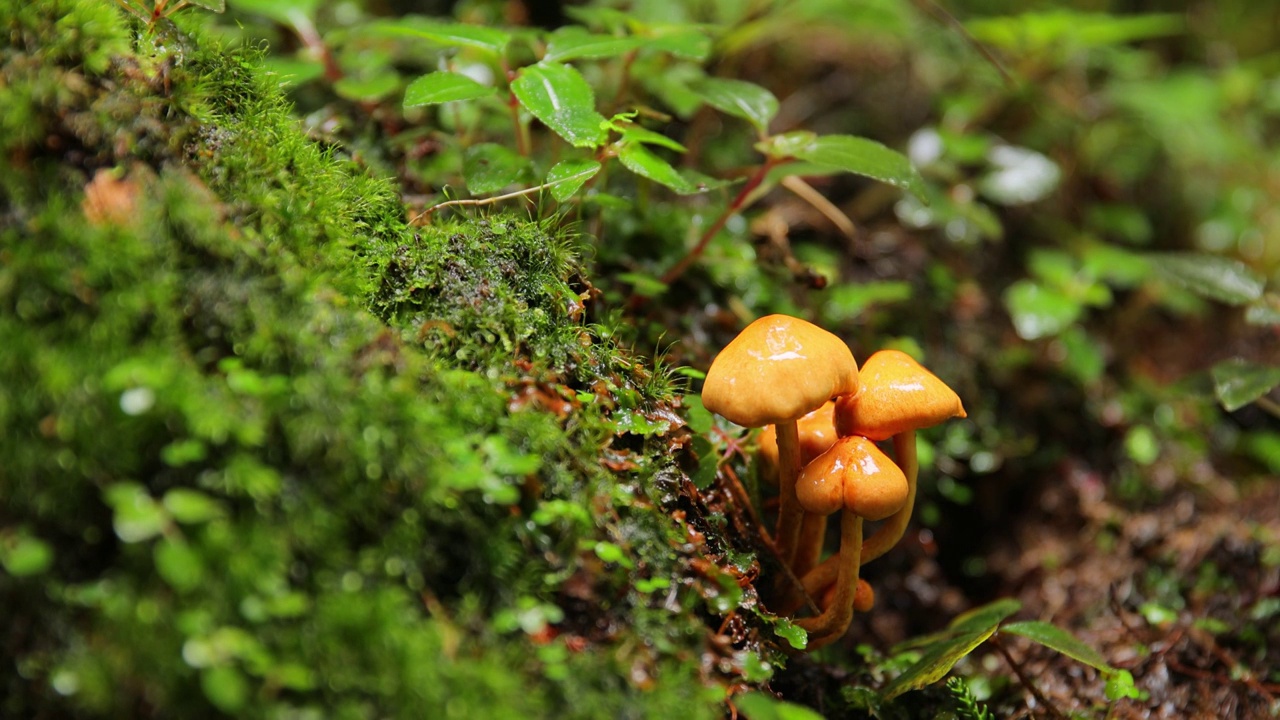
[(272, 451)]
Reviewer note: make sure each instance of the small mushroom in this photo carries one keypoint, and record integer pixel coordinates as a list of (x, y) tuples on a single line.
[(778, 369), (897, 397), (856, 477)]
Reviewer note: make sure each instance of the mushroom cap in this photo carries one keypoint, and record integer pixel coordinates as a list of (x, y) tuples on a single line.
[(817, 432), (854, 475), (897, 394), (778, 369)]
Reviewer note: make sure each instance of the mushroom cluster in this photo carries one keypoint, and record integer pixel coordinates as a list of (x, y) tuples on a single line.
[(825, 419)]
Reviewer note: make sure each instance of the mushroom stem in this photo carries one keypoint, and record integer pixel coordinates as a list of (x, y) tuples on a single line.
[(813, 529), (885, 536), (888, 534), (831, 624), (790, 514)]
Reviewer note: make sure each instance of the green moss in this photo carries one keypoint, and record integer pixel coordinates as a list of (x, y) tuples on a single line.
[(291, 454)]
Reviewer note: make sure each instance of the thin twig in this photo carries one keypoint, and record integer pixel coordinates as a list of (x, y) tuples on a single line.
[(1026, 681), (806, 192), (941, 13), (476, 202)]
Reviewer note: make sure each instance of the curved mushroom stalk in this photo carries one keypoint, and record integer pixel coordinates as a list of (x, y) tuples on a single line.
[(888, 534), (790, 514), (833, 621)]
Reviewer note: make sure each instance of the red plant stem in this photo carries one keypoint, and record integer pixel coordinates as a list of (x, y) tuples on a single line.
[(522, 140), (310, 37), (738, 201)]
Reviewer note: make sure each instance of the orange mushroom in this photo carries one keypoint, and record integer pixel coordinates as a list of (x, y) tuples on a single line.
[(897, 397), (856, 477), (777, 370)]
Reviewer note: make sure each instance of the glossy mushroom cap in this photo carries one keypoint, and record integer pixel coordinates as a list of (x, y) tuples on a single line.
[(817, 432), (854, 475), (897, 394), (778, 369)]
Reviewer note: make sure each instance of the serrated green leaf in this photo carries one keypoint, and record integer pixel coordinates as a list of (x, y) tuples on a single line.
[(686, 43), (558, 96), (25, 555), (740, 99), (369, 89), (572, 43), (637, 134), (1238, 382), (443, 87), (966, 632), (178, 564), (868, 158), (489, 167), (759, 706), (1055, 638), (1212, 276), (285, 12), (640, 161), (214, 5), (191, 506), (568, 177), (460, 35)]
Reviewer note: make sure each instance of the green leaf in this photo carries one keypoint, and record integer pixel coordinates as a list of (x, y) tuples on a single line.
[(476, 37), (225, 687), (443, 87), (558, 96), (489, 167), (637, 134), (285, 12), (686, 43), (191, 506), (137, 516), (787, 145), (572, 43), (760, 706), (25, 555), (214, 5), (1120, 686), (640, 161), (1266, 311), (611, 553), (178, 564), (1238, 382), (568, 177), (367, 89), (1054, 637), (868, 158), (1212, 276), (945, 649), (795, 635), (740, 99), (848, 300), (1038, 310)]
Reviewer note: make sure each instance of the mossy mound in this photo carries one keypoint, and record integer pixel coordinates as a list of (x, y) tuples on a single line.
[(271, 451)]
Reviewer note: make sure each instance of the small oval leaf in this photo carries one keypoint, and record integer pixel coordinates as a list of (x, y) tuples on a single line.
[(966, 632), (568, 176), (1211, 276), (740, 99), (868, 158), (489, 167), (1238, 382), (559, 96), (572, 43), (1054, 637), (636, 158), (443, 87), (25, 555), (476, 37)]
